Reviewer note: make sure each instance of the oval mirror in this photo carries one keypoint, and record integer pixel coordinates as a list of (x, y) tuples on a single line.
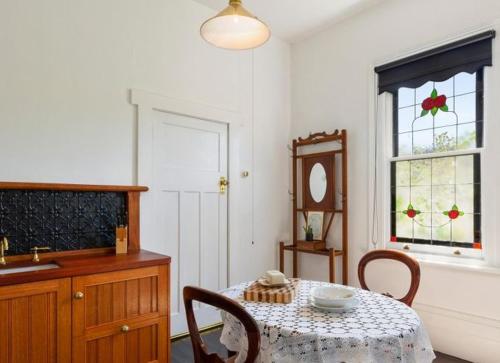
[(317, 182)]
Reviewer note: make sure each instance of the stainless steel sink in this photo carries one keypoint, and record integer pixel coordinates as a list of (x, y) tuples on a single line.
[(15, 270)]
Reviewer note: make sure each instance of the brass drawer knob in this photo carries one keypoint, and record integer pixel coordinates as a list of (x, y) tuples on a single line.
[(78, 295), (125, 328)]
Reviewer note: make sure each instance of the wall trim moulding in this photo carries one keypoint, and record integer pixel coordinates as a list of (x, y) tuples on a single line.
[(148, 104), (185, 107), (464, 335), (459, 315)]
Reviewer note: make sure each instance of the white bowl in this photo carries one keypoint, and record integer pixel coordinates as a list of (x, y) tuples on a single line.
[(332, 296)]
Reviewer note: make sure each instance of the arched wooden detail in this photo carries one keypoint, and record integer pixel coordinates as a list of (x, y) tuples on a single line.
[(412, 264), (221, 302)]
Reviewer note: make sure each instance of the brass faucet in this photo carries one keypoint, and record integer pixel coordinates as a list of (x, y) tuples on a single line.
[(4, 246), (35, 250)]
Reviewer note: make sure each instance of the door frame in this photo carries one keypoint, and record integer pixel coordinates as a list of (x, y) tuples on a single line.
[(147, 104)]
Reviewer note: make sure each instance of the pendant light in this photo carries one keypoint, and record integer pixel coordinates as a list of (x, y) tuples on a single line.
[(235, 28)]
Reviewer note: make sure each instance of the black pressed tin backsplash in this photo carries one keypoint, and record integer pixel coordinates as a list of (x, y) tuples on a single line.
[(61, 220)]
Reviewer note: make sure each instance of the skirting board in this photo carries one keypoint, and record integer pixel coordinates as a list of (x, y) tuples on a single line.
[(463, 335)]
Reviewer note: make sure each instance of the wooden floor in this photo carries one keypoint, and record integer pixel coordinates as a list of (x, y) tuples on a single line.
[(182, 351)]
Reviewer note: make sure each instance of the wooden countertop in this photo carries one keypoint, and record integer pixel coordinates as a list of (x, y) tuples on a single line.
[(82, 265)]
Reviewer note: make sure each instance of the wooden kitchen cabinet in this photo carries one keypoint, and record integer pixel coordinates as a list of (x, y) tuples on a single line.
[(35, 322), (93, 308), (121, 316)]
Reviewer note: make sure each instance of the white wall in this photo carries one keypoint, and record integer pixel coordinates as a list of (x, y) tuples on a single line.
[(65, 114), (331, 88)]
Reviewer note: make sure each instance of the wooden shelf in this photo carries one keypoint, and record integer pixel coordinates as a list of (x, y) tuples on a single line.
[(319, 210), (72, 187), (314, 252)]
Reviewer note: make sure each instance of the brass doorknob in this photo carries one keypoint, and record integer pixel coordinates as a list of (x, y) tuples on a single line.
[(78, 295), (223, 183), (125, 328)]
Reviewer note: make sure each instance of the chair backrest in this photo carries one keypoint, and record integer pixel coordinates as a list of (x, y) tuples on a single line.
[(392, 255), (219, 301)]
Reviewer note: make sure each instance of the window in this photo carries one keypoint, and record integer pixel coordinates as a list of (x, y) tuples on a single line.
[(437, 200), (437, 141)]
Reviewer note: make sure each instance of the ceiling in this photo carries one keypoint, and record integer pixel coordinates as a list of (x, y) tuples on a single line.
[(292, 20)]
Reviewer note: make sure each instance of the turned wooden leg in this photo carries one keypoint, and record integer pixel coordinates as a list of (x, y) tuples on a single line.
[(295, 263), (282, 257), (331, 257)]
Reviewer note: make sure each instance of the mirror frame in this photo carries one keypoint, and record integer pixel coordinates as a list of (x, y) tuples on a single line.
[(328, 163), (318, 171)]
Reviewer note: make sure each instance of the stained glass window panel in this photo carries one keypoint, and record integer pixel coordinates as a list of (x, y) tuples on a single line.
[(439, 116), (435, 200)]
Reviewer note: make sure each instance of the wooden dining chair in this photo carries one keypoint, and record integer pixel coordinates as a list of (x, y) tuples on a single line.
[(397, 256), (201, 355)]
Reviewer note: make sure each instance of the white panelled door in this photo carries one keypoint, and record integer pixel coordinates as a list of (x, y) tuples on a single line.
[(190, 212)]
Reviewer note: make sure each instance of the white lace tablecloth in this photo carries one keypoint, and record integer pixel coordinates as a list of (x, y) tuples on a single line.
[(379, 330)]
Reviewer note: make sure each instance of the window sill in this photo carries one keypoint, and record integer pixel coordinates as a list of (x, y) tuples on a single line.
[(467, 265)]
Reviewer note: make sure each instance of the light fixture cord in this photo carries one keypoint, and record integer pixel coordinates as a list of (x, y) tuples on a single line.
[(253, 146)]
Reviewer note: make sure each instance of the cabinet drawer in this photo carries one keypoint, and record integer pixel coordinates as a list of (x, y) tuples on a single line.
[(143, 342), (104, 300)]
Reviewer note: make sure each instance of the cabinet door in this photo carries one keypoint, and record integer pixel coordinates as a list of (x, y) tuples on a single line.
[(35, 322), (142, 342), (104, 303)]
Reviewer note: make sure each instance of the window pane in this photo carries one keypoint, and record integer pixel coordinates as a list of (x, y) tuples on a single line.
[(445, 139), (465, 197), (445, 87), (423, 122), (465, 107), (441, 228), (406, 97), (445, 118), (404, 226), (443, 198), (420, 172), (432, 122), (434, 200), (465, 166), (405, 118), (443, 171), (423, 92), (421, 198), (404, 144), (466, 136), (462, 229), (421, 229), (402, 198), (403, 173), (465, 83), (423, 142)]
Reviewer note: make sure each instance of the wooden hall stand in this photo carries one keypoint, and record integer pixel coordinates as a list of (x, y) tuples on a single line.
[(327, 205)]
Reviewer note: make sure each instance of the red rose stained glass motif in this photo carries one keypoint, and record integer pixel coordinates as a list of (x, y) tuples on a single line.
[(454, 212), (411, 212), (434, 103)]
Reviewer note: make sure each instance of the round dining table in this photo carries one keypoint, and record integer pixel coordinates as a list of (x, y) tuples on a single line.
[(379, 329)]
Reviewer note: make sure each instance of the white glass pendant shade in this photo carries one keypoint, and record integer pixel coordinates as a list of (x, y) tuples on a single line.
[(235, 28)]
